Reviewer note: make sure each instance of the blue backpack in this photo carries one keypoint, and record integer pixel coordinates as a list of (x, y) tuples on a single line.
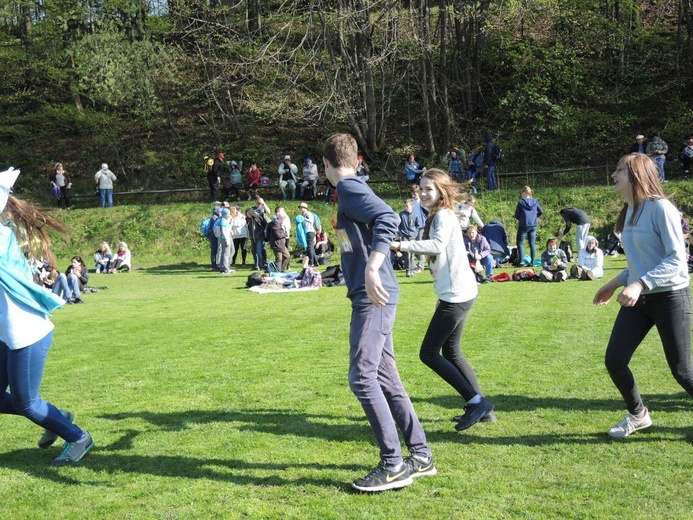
[(316, 222), (206, 227)]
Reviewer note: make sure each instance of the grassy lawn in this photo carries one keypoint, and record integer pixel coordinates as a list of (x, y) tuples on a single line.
[(207, 401)]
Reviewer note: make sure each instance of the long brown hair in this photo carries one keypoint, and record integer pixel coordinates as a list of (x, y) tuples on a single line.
[(449, 194), (30, 226), (644, 177)]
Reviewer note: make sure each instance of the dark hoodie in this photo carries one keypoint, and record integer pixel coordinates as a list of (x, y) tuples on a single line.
[(527, 212), (491, 152)]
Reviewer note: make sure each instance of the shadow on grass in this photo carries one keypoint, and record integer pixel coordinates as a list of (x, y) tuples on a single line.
[(521, 403), (275, 422), (35, 463), (182, 268)]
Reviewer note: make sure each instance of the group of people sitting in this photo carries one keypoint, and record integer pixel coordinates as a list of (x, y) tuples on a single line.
[(109, 263), (73, 282), (231, 230)]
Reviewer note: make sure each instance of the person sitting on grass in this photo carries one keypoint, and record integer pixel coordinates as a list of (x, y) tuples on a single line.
[(122, 260), (102, 258), (554, 263), (590, 264), (478, 251)]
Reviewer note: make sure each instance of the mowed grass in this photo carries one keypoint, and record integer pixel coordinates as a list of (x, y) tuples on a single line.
[(208, 401)]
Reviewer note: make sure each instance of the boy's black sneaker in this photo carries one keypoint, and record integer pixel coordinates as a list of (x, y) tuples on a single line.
[(473, 413), (383, 478), (420, 467)]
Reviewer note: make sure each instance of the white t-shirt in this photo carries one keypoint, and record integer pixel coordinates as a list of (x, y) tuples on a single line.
[(21, 326)]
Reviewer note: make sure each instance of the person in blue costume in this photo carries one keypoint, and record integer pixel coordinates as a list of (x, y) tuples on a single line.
[(26, 332)]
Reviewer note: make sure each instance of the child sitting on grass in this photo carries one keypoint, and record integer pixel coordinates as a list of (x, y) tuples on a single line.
[(554, 263)]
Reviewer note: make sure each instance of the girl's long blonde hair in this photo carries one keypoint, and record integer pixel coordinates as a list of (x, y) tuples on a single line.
[(31, 225), (644, 177)]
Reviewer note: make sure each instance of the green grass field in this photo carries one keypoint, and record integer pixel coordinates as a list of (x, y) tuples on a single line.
[(207, 401)]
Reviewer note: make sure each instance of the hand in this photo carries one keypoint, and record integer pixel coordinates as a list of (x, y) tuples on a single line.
[(629, 296), (374, 289), (603, 295), (395, 246)]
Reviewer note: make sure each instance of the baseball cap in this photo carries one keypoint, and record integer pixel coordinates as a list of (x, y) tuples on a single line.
[(639, 136), (303, 205), (225, 212)]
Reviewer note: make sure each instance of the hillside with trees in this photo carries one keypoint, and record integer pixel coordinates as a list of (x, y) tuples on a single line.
[(150, 87)]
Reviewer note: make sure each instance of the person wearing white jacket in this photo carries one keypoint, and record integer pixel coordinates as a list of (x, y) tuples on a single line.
[(104, 178), (590, 264)]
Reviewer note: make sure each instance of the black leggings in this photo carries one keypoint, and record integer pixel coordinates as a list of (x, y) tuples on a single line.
[(445, 333), (670, 312), (239, 243)]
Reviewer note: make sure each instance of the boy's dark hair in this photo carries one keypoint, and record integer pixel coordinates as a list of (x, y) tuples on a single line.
[(341, 151)]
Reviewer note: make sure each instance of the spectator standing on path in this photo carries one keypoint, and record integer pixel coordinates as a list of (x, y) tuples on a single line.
[(61, 180), (686, 154), (571, 215), (105, 178), (366, 226), (456, 165), (26, 332), (657, 150), (656, 287), (639, 146), (491, 154)]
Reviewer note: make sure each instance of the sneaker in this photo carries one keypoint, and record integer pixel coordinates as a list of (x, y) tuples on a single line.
[(383, 478), (77, 300), (489, 418), (473, 413), (409, 274), (48, 437), (418, 270), (74, 451), (630, 424), (420, 467)]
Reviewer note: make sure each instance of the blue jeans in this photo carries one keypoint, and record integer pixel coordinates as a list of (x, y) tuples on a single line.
[(473, 175), (22, 371), (491, 176), (258, 250), (67, 286), (670, 312), (659, 161), (374, 379), (213, 246), (523, 233), (106, 197), (487, 262)]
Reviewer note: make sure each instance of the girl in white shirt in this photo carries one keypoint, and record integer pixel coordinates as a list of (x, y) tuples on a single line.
[(26, 332), (456, 288)]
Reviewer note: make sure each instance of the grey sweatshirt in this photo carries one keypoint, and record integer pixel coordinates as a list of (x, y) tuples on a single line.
[(654, 248), (453, 279)]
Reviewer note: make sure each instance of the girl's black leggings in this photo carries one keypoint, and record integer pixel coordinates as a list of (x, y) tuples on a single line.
[(670, 312)]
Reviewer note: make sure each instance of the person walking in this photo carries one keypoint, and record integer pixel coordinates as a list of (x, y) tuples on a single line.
[(26, 332), (455, 284), (527, 213), (656, 287), (105, 178), (365, 228)]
